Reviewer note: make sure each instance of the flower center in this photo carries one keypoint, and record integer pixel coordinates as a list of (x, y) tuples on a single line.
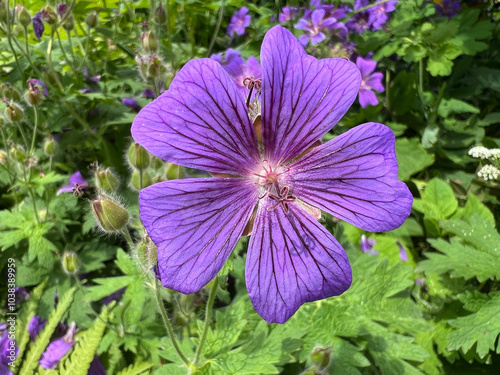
[(270, 178)]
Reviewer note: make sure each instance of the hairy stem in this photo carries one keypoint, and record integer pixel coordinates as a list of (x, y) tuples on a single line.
[(208, 317)]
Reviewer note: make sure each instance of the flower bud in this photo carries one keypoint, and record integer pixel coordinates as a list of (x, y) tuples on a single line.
[(320, 357), (92, 19), (70, 262), (2, 121), (160, 14), (111, 216), (9, 92), (14, 112), (50, 146), (174, 171), (69, 24), (3, 157), (138, 157), (106, 180), (149, 41), (33, 96), (49, 16), (17, 153), (148, 252), (156, 162), (136, 182), (3, 11), (23, 16)]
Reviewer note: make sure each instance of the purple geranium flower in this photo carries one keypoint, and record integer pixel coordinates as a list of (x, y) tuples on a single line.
[(96, 367), (38, 26), (271, 178), (245, 75), (378, 14), (239, 21), (57, 349), (8, 352), (76, 181), (315, 28), (148, 93), (367, 245), (448, 8), (35, 325), (370, 81), (402, 252), (131, 103), (287, 14), (35, 84)]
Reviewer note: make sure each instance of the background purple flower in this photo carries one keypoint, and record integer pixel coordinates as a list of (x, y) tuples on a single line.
[(8, 353), (38, 26), (367, 244), (370, 81), (131, 103), (378, 15), (448, 8), (57, 349), (317, 26), (370, 19), (35, 325), (76, 180), (402, 252), (202, 122), (239, 21), (287, 14)]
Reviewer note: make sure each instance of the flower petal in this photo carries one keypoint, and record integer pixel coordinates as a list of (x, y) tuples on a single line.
[(367, 97), (200, 122), (366, 66), (302, 97), (195, 223), (292, 259), (354, 177)]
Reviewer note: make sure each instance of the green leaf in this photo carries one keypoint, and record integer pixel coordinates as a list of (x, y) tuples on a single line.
[(440, 59), (453, 106), (106, 287), (461, 261), (403, 93), (443, 32), (83, 353), (471, 32), (29, 311), (36, 350), (438, 201), (481, 328), (475, 207), (477, 232), (412, 157), (139, 368)]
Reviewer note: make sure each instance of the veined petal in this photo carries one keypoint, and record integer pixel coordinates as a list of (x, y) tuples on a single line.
[(200, 122), (302, 97), (354, 177), (195, 223), (292, 259)]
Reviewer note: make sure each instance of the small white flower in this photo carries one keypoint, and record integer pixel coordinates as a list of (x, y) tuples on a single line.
[(479, 152), (489, 172), (495, 153)]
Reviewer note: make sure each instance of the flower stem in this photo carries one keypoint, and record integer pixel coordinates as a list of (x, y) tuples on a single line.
[(216, 31), (208, 317), (128, 238), (168, 325)]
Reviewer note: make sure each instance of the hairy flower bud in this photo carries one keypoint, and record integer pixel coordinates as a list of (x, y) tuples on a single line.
[(156, 162), (33, 96), (160, 14), (138, 157), (320, 357), (50, 146), (69, 24), (23, 16), (92, 19), (14, 112), (3, 11), (149, 41), (174, 171), (70, 262), (49, 16), (148, 252), (3, 157), (110, 215), (136, 182), (106, 180)]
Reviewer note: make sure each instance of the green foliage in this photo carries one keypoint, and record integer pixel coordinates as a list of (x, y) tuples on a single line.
[(86, 346), (30, 363), (412, 157)]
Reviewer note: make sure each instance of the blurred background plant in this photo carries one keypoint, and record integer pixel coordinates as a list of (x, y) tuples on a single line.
[(73, 75)]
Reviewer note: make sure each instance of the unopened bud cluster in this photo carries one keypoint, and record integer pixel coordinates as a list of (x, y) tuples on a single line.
[(320, 360)]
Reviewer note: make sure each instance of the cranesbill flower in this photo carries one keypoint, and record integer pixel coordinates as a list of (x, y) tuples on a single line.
[(402, 252), (370, 81), (378, 15), (35, 325), (287, 14), (367, 245), (239, 21), (315, 28), (131, 103), (271, 178), (38, 26), (57, 349), (448, 8), (76, 181)]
